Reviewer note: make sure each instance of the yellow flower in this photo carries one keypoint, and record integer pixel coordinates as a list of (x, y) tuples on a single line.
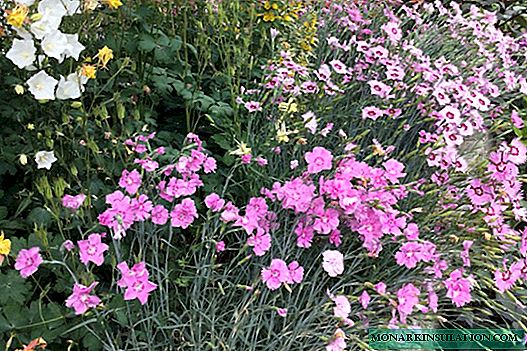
[(267, 5), (269, 17), (241, 150), (105, 55), (289, 106), (113, 4), (89, 71), (5, 245), (282, 134), (17, 16), (30, 126)]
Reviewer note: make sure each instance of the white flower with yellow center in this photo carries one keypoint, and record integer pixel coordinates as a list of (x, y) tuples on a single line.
[(45, 159), (69, 88), (55, 44), (22, 53), (42, 86)]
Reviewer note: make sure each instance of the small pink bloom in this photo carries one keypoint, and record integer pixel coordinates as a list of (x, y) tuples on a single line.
[(380, 288), (81, 300), (209, 166), (246, 159), (517, 121), (342, 307), (68, 245), (214, 202), (253, 106), (183, 214), (333, 262), (337, 342), (73, 202), (458, 288), (260, 242), (27, 261), (220, 246), (296, 273), (364, 299), (276, 274), (318, 160), (92, 249), (394, 170), (282, 312), (130, 181), (159, 215)]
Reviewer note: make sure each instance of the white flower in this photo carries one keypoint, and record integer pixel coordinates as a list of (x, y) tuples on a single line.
[(45, 159), (333, 262), (55, 44), (42, 86), (25, 2), (74, 47), (53, 8), (72, 6), (45, 25), (22, 53), (69, 88)]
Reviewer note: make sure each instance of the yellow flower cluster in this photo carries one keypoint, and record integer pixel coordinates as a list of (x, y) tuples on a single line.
[(104, 56), (274, 10)]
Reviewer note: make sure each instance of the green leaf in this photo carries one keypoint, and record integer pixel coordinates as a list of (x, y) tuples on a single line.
[(146, 43)]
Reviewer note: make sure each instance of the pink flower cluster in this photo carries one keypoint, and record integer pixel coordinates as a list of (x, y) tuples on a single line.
[(135, 281), (124, 211), (279, 273)]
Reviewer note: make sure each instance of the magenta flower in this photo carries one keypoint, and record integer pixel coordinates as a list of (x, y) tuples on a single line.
[(92, 249), (296, 273), (140, 290), (458, 288), (260, 242), (333, 262), (27, 261), (81, 300), (159, 215), (364, 299), (68, 245), (136, 282), (380, 288), (506, 279), (220, 246), (73, 202), (214, 202), (276, 274), (318, 160), (130, 181), (408, 298), (209, 166), (183, 214), (327, 221), (282, 312), (394, 170)]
